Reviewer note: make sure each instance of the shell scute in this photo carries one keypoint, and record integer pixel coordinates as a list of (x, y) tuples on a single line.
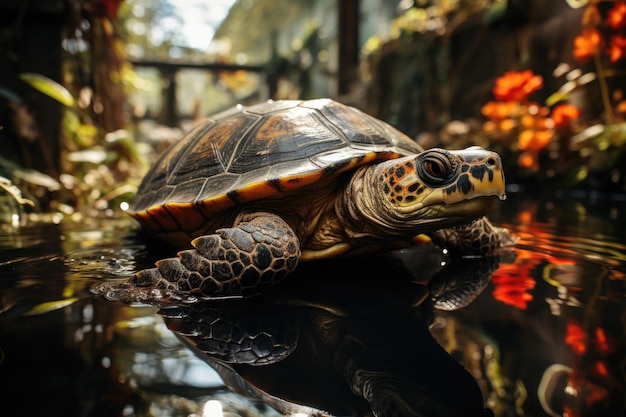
[(211, 153), (281, 137)]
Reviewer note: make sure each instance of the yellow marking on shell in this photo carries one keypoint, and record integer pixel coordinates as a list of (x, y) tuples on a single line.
[(297, 181), (186, 214), (146, 221), (163, 219), (255, 191), (370, 157), (215, 205)]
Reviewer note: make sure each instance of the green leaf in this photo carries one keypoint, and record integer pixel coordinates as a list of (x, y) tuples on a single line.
[(556, 97), (50, 306), (49, 87)]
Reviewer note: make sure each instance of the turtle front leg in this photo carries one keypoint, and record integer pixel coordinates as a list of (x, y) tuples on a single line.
[(258, 251), (478, 238)]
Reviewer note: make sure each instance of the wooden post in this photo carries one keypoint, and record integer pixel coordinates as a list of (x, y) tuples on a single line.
[(348, 44)]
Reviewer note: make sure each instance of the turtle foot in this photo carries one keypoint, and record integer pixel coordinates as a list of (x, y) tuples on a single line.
[(239, 261), (474, 239)]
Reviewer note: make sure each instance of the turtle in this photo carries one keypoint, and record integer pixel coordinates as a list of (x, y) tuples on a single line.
[(253, 191)]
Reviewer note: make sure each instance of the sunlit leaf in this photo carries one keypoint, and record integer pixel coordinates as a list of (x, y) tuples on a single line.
[(589, 133), (577, 4), (95, 155), (556, 97), (50, 306), (37, 178), (30, 176), (14, 192), (48, 87)]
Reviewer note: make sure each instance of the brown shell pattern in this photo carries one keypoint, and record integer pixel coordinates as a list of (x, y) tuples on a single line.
[(250, 153)]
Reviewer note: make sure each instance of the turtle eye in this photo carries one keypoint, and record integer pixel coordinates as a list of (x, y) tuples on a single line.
[(435, 168)]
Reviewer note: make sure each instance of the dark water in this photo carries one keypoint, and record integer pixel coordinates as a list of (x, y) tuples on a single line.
[(546, 332)]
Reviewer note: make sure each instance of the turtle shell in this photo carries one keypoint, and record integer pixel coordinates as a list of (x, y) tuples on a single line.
[(250, 153)]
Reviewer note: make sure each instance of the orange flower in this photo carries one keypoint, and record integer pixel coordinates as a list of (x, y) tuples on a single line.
[(563, 114), (617, 48), (507, 125), (587, 44), (496, 110), (528, 160), (534, 140), (517, 86), (617, 16), (528, 121)]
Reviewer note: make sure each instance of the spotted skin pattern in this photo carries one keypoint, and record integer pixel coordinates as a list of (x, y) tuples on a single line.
[(471, 171), (401, 184)]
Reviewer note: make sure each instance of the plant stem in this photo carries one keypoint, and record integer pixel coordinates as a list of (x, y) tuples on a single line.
[(604, 90)]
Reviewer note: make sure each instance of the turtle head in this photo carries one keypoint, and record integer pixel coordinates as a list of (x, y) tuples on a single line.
[(439, 188)]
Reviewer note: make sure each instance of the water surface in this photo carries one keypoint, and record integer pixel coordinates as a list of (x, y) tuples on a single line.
[(546, 335)]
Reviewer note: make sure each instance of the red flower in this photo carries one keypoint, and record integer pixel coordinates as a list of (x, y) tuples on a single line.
[(617, 47), (617, 16), (563, 114), (587, 44), (517, 86), (575, 338)]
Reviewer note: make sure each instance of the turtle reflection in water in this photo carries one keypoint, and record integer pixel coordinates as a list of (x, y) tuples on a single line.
[(257, 190), (341, 344)]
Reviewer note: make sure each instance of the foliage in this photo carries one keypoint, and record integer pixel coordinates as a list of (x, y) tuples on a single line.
[(49, 87), (101, 165), (555, 138), (97, 168), (430, 77)]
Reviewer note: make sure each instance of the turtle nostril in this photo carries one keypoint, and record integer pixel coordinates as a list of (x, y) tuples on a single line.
[(491, 162)]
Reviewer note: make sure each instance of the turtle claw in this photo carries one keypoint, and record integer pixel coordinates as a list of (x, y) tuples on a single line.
[(145, 278)]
